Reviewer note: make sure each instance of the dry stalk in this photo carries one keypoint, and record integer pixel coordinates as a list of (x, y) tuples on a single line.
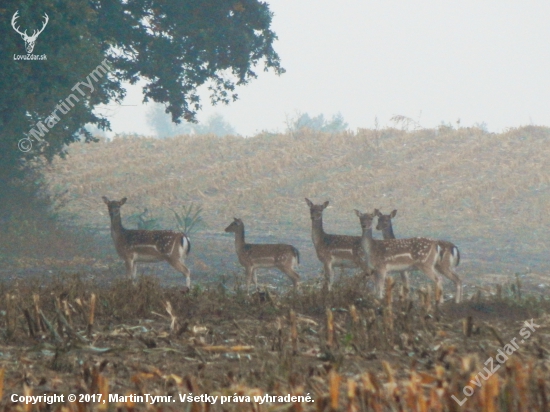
[(371, 325), (388, 311), (467, 326), (174, 319), (223, 349), (57, 304), (279, 339), (91, 315), (67, 311), (352, 386), (10, 315), (103, 387), (518, 285), (334, 389), (52, 330), (29, 320), (36, 300), (496, 335), (71, 332), (438, 294), (330, 328), (293, 332)]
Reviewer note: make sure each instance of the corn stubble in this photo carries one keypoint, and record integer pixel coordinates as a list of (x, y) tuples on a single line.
[(404, 353)]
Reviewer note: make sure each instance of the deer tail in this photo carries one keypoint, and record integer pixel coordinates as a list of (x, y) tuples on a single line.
[(296, 253), (185, 242), (456, 255)]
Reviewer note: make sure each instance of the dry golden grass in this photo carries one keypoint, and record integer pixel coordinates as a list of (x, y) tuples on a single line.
[(489, 193)]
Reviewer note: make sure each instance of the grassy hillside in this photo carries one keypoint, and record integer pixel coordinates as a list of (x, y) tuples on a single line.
[(488, 193)]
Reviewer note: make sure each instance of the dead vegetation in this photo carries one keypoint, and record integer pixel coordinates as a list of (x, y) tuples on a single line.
[(95, 333), (345, 349), (486, 192)]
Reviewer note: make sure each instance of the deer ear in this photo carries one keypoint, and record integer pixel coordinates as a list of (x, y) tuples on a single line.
[(309, 203), (357, 212), (325, 204), (124, 199), (105, 199), (393, 213), (377, 212)]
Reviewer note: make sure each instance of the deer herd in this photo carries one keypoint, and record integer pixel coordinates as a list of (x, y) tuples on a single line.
[(375, 257)]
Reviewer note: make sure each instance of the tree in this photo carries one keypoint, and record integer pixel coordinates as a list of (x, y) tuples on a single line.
[(162, 124), (318, 123), (175, 46), (215, 124)]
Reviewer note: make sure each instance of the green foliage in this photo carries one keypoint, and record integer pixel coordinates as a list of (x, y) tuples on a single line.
[(317, 123), (145, 220), (190, 220), (173, 46)]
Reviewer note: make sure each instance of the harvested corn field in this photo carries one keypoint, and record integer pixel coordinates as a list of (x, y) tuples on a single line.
[(344, 351), (71, 323)]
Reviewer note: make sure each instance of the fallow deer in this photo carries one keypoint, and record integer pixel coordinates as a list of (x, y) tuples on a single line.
[(450, 255), (385, 256), (334, 250), (147, 245), (255, 256)]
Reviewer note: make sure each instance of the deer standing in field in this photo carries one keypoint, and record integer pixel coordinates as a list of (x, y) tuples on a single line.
[(385, 256), (334, 250), (254, 256), (147, 245), (450, 255)]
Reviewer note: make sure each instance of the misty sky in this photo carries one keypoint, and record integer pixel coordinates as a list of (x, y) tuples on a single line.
[(432, 61)]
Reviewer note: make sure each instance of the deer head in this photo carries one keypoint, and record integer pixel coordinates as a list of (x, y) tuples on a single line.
[(384, 221), (29, 40)]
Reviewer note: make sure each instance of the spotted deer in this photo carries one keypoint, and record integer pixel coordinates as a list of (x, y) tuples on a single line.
[(390, 255), (450, 255), (255, 256), (147, 245), (334, 250)]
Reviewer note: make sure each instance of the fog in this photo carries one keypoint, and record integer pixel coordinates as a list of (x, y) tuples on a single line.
[(477, 62)]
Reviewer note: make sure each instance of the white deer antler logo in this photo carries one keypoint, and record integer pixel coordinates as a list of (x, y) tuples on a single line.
[(29, 40)]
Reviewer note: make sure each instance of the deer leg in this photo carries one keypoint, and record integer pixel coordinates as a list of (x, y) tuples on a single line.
[(329, 274), (361, 264), (184, 270), (433, 274), (405, 278), (380, 282), (445, 269), (255, 276), (249, 274), (291, 273), (131, 268)]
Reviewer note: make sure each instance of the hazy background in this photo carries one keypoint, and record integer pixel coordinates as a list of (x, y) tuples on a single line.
[(480, 62)]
